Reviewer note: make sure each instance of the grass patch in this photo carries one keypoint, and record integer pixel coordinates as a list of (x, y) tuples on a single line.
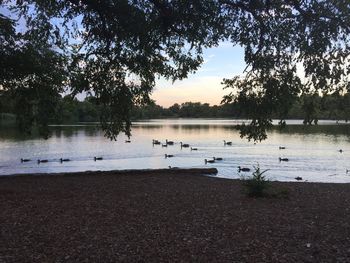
[(257, 184)]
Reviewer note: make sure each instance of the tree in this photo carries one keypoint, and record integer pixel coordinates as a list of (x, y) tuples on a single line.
[(115, 49)]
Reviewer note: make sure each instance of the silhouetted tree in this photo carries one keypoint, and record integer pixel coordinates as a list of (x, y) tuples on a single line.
[(115, 49)]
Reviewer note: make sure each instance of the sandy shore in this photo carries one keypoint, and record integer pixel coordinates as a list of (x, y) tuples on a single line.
[(169, 216)]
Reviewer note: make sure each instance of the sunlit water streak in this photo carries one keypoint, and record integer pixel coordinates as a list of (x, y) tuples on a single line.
[(313, 152)]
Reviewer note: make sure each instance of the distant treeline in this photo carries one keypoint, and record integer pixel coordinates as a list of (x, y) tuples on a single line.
[(68, 110)]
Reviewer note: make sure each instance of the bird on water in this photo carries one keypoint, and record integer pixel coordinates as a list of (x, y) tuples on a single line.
[(184, 145), (243, 169), (227, 143)]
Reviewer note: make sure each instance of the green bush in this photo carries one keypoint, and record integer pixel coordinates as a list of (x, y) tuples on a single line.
[(257, 185)]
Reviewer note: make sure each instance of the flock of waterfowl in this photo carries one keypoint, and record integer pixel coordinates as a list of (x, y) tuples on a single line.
[(61, 160), (182, 145), (214, 159)]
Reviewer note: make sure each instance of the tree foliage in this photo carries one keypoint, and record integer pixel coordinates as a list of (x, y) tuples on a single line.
[(116, 49)]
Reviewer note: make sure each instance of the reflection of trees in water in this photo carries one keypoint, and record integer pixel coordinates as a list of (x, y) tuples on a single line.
[(186, 127), (12, 133), (314, 129)]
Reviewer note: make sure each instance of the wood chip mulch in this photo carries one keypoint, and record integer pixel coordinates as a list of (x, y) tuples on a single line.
[(157, 217)]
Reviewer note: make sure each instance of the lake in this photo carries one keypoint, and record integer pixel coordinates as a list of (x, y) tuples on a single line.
[(313, 152)]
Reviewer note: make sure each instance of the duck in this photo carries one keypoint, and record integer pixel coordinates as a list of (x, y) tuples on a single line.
[(243, 169), (127, 141), (64, 160), (209, 161), (283, 159), (43, 161), (298, 178), (217, 158), (164, 145), (340, 151), (168, 155), (282, 147), (347, 170), (169, 142), (184, 145), (25, 160), (227, 143), (194, 149), (98, 158), (173, 167)]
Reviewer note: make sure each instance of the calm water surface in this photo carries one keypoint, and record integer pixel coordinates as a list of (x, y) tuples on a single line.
[(313, 152)]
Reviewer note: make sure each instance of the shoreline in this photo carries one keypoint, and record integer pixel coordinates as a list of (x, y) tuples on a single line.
[(211, 172), (169, 216), (192, 171)]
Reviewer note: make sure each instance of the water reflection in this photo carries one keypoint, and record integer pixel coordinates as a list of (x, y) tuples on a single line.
[(312, 150)]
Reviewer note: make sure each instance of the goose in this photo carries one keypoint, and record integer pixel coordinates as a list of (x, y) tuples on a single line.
[(243, 169), (98, 158), (227, 143), (298, 178), (169, 142), (208, 161), (25, 160), (194, 149), (127, 141), (64, 160), (43, 161), (283, 159), (217, 158), (184, 145), (156, 142), (282, 147), (168, 155)]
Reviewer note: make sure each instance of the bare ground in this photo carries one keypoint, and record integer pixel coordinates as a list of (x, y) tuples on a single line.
[(169, 216)]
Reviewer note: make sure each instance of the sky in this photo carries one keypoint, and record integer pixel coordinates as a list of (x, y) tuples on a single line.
[(224, 61)]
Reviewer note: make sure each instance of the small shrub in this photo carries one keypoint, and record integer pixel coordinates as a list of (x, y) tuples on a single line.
[(257, 185)]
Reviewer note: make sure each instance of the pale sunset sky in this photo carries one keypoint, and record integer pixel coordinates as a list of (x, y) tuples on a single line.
[(224, 61)]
